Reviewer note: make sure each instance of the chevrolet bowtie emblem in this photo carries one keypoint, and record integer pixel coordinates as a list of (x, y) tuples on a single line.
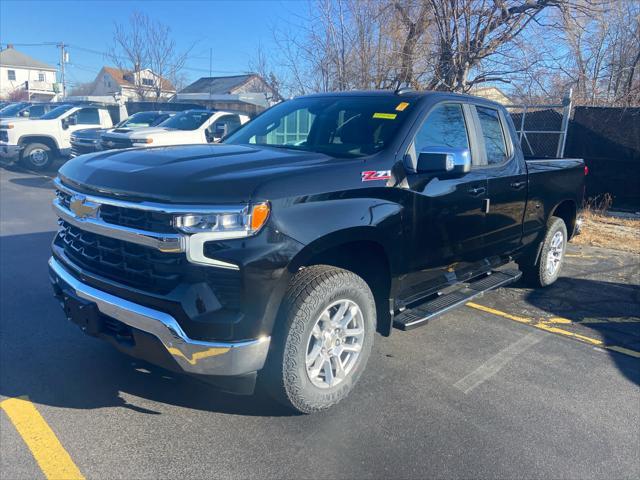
[(82, 207)]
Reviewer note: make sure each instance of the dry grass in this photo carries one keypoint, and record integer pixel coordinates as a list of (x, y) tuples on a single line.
[(602, 230)]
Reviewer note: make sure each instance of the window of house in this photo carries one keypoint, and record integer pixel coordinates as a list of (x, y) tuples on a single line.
[(148, 82), (41, 77), (494, 142), (11, 74)]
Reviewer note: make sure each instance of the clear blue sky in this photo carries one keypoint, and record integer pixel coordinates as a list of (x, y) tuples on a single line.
[(233, 29)]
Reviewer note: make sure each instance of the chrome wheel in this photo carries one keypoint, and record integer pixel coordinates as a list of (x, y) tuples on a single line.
[(554, 255), (39, 157), (335, 343)]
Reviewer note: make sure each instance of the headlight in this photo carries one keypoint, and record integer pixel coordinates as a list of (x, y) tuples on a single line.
[(141, 140), (229, 223)]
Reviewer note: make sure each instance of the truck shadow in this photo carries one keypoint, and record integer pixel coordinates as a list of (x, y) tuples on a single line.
[(44, 356), (609, 311)]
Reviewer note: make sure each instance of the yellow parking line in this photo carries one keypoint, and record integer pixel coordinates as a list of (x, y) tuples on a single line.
[(53, 459), (549, 326)]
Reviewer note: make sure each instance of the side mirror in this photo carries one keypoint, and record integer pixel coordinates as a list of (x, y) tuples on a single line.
[(444, 160), (219, 130), (65, 123)]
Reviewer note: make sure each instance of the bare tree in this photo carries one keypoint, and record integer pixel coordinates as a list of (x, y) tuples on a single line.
[(143, 44)]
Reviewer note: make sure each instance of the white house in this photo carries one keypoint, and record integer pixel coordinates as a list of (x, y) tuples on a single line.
[(141, 85), (25, 78)]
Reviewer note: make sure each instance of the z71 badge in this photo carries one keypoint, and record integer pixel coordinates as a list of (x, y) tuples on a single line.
[(371, 175)]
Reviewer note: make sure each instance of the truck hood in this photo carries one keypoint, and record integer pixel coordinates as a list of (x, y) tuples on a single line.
[(186, 174), (144, 132)]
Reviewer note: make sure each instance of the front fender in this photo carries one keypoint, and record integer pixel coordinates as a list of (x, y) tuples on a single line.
[(321, 225)]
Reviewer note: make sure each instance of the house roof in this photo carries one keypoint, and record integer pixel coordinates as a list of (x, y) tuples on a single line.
[(217, 85), (119, 77), (10, 57)]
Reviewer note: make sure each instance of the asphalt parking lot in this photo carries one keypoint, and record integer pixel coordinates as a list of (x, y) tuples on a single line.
[(521, 383)]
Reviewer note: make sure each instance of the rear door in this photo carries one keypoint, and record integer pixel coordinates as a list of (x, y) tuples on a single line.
[(447, 223), (504, 167)]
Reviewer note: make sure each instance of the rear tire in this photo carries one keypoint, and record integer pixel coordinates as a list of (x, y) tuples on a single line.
[(547, 269), (323, 340), (37, 156)]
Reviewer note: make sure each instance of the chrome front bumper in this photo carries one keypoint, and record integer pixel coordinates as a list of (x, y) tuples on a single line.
[(192, 356)]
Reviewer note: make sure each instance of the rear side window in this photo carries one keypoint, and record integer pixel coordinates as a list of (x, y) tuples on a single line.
[(444, 127), (493, 135), (88, 116)]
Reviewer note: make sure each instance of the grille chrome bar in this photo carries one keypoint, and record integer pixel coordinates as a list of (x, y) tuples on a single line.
[(164, 242)]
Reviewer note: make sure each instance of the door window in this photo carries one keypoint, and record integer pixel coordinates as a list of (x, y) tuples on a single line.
[(444, 127), (87, 116), (225, 125), (493, 135)]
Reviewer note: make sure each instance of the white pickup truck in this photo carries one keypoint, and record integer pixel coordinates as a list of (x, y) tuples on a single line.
[(187, 127), (37, 142)]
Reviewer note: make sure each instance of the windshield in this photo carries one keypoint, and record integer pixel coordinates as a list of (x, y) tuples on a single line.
[(56, 112), (189, 120), (347, 126), (142, 119), (12, 110)]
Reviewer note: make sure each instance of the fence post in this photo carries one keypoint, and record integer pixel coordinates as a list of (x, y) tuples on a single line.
[(566, 114)]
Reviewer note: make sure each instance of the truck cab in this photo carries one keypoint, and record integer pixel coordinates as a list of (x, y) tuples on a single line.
[(37, 142), (187, 127)]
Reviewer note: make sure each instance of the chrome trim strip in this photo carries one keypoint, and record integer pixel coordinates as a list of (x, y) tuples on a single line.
[(165, 242), (193, 356), (150, 206)]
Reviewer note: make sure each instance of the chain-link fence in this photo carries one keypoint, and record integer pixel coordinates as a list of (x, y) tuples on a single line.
[(542, 129)]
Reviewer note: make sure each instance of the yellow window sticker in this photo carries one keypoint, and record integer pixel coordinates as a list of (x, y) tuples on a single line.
[(386, 116), (401, 106)]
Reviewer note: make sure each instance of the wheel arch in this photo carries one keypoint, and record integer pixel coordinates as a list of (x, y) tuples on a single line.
[(567, 210), (361, 251), (50, 141)]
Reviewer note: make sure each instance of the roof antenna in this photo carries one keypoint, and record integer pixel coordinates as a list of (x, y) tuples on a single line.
[(402, 88)]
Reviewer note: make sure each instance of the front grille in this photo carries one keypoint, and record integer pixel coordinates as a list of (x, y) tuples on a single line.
[(127, 263), (110, 143), (77, 149), (150, 221)]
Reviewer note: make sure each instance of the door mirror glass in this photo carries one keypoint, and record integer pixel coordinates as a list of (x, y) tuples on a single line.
[(219, 130), (444, 160)]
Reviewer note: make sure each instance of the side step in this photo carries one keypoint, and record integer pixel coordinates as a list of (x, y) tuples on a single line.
[(422, 313)]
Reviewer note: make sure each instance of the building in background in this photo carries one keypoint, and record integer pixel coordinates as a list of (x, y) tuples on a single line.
[(491, 93), (246, 93), (141, 85), (24, 78)]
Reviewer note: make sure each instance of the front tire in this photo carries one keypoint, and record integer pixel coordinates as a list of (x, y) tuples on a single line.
[(37, 156), (547, 269), (323, 341)]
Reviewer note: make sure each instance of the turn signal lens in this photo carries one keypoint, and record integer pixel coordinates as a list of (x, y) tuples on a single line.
[(259, 216)]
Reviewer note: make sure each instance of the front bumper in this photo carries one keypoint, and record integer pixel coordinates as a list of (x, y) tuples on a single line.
[(191, 356), (10, 151)]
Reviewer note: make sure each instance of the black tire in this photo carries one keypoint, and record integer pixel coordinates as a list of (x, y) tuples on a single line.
[(312, 291), (541, 274), (37, 156)]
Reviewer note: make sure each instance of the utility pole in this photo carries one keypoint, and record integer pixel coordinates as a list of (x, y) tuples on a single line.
[(210, 74), (63, 59)]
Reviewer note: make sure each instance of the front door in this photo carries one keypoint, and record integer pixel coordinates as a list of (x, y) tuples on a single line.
[(444, 223)]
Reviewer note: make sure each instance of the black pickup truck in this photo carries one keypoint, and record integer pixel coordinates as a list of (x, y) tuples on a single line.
[(276, 256)]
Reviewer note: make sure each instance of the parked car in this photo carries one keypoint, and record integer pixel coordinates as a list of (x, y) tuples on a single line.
[(36, 142), (12, 109), (276, 256), (187, 127), (88, 140)]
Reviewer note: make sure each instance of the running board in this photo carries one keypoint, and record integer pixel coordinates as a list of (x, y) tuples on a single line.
[(422, 313)]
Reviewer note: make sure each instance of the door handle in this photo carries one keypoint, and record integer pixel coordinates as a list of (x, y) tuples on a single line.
[(518, 185), (477, 191)]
